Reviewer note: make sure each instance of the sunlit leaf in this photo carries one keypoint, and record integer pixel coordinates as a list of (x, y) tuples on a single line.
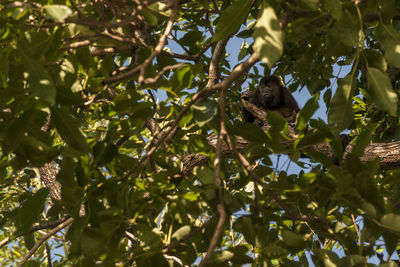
[(221, 256), (306, 112), (391, 221), (68, 128), (39, 81), (392, 54), (268, 36), (340, 114), (380, 87), (293, 239), (312, 4), (57, 12), (243, 50), (335, 8), (232, 17), (389, 39), (181, 232), (204, 112)]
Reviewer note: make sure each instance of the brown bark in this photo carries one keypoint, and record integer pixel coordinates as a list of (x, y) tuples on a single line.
[(388, 153)]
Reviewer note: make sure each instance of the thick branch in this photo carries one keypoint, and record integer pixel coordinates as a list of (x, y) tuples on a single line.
[(388, 153), (202, 94)]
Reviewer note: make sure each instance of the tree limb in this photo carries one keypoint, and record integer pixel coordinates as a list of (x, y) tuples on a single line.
[(43, 239)]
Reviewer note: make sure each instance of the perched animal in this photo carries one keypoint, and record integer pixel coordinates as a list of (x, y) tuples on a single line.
[(271, 94)]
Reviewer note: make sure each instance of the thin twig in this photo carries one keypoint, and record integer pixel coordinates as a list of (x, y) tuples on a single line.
[(202, 94), (356, 227), (213, 78), (185, 10), (218, 183), (48, 255), (249, 169), (44, 238), (161, 72), (194, 57), (157, 50), (34, 228)]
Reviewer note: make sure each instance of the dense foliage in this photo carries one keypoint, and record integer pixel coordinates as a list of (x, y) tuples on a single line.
[(122, 142)]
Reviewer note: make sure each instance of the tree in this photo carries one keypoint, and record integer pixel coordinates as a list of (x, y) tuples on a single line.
[(122, 142)]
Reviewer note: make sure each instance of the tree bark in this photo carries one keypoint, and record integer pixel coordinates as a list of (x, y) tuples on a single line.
[(388, 153)]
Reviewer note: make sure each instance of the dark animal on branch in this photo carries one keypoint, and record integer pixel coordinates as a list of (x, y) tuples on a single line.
[(271, 94)]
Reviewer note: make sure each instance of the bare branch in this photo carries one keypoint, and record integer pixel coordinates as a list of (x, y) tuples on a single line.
[(48, 255), (217, 177), (161, 72), (34, 228), (43, 239), (157, 50), (213, 72), (194, 57), (202, 94)]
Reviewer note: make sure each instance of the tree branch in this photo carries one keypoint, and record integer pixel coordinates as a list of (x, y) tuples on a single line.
[(43, 239), (199, 96), (157, 50), (213, 76)]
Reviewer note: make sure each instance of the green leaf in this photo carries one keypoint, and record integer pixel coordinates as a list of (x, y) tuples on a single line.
[(149, 17), (30, 210), (389, 264), (231, 19), (312, 137), (181, 232), (335, 8), (375, 59), (243, 50), (245, 226), (182, 78), (19, 128), (312, 4), (268, 36), (39, 81), (240, 255), (340, 114), (72, 198), (391, 221), (3, 68), (380, 87), (391, 242), (389, 39), (293, 240), (33, 44), (388, 9), (205, 174), (392, 54), (68, 128), (306, 112), (29, 240), (204, 112), (57, 12), (220, 257), (191, 196), (251, 132), (92, 242), (190, 38), (363, 140)]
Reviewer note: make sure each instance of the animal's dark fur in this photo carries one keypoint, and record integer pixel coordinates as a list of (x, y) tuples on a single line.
[(271, 94)]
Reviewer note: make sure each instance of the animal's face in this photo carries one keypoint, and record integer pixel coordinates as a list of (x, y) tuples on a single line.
[(268, 92)]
